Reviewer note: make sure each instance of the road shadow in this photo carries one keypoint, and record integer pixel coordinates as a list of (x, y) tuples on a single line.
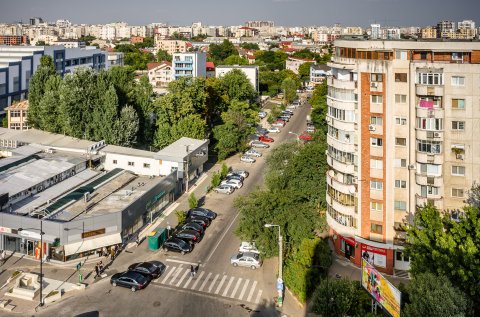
[(264, 309)]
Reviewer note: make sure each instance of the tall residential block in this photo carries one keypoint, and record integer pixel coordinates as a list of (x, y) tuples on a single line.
[(192, 64), (403, 121)]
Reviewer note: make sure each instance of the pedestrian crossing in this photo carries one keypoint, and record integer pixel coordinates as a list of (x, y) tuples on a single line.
[(232, 287)]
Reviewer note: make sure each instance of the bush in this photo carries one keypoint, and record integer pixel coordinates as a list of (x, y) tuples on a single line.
[(216, 179), (192, 201), (224, 171), (181, 216)]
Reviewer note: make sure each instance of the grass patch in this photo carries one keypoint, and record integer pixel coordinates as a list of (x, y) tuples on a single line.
[(52, 293)]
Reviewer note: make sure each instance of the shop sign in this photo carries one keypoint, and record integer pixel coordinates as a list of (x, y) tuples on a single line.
[(29, 234), (376, 256), (5, 230), (93, 233)]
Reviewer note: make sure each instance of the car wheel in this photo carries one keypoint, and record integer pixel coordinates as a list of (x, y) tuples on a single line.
[(114, 284), (235, 264), (216, 191), (182, 253), (253, 267), (133, 289)]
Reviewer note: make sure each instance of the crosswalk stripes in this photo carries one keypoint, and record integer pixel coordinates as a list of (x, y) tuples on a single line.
[(166, 268), (214, 283)]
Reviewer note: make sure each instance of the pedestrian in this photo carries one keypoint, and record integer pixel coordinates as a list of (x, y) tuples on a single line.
[(105, 253), (97, 271), (192, 271), (3, 256), (100, 267), (196, 269), (112, 253)]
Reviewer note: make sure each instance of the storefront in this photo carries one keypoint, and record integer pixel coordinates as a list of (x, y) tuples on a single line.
[(25, 242)]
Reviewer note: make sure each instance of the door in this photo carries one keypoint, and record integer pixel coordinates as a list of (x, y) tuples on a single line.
[(30, 248)]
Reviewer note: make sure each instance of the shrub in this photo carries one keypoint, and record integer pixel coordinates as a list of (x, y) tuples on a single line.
[(224, 171), (181, 216), (216, 179), (192, 201)]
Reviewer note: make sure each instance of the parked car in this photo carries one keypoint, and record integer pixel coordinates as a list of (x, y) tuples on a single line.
[(242, 173), (247, 159), (283, 118), (224, 189), (259, 144), (177, 245), (130, 279), (232, 182), (247, 259), (201, 220), (204, 212), (277, 121), (262, 131), (248, 247), (310, 129), (253, 152), (291, 107), (278, 124), (262, 114), (236, 176), (287, 112), (191, 226), (305, 137), (265, 139), (147, 269), (273, 130), (190, 236)]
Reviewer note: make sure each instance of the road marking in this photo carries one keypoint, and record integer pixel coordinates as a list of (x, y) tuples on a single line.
[(168, 275), (228, 286), (221, 284), (198, 280), (174, 277), (183, 262), (251, 291), (235, 289), (182, 278), (244, 289), (223, 236), (166, 268), (213, 283), (258, 296), (204, 282), (188, 281)]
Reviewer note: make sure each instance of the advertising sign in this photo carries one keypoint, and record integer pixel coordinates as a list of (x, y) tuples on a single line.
[(381, 290), (375, 256)]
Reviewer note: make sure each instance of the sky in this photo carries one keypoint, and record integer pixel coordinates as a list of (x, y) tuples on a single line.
[(229, 12)]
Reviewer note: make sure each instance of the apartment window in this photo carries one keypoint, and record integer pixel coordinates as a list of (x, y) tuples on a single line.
[(376, 77), (376, 141), (376, 206), (376, 99), (16, 84), (131, 163), (376, 120), (401, 141), (401, 77), (430, 124), (457, 56), (458, 81), (430, 169), (458, 103), (401, 121), (146, 165), (458, 125), (377, 164), (430, 78), (426, 191), (400, 205), (3, 89), (376, 185), (457, 192), (28, 75), (402, 55), (425, 102), (400, 163), (375, 228), (423, 55), (401, 257), (430, 147), (458, 170), (15, 113), (114, 162), (400, 98), (400, 184)]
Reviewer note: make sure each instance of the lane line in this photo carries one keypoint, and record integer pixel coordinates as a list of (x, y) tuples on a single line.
[(204, 282), (221, 284), (235, 289), (223, 236), (249, 298), (198, 280), (183, 262), (182, 278), (228, 286), (213, 283), (244, 289), (168, 275), (174, 277), (259, 295)]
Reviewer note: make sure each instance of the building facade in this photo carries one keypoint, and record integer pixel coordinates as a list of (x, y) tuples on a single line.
[(17, 115), (402, 120), (171, 46), (189, 65), (159, 74)]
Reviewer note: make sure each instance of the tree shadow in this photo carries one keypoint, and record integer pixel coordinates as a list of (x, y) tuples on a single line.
[(264, 309)]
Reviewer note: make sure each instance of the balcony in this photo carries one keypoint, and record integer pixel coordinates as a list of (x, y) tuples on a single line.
[(342, 105), (342, 62), (376, 86), (339, 124), (341, 84), (429, 135), (349, 189), (425, 180), (436, 202), (376, 108), (341, 146), (340, 228), (430, 113), (342, 167), (429, 90), (429, 158)]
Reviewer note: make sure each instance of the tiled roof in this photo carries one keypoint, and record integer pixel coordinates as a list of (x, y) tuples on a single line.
[(22, 105)]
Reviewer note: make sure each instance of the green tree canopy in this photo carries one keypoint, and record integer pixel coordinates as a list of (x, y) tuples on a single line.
[(249, 46), (219, 52), (235, 60), (304, 71), (289, 88), (163, 55), (237, 86)]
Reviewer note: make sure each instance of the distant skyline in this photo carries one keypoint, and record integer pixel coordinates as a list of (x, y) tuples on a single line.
[(227, 12)]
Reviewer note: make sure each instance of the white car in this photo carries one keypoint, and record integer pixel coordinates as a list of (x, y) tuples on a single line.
[(278, 124), (310, 129), (273, 130), (242, 173), (232, 182), (247, 159), (248, 247), (224, 189), (247, 259), (253, 152), (262, 114), (259, 144)]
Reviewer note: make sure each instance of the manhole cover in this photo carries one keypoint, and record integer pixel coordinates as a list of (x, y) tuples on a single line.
[(156, 304)]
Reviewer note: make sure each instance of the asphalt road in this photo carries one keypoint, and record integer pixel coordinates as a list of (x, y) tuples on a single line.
[(218, 289)]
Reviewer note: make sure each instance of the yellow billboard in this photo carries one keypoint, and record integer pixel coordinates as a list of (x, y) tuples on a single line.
[(386, 295)]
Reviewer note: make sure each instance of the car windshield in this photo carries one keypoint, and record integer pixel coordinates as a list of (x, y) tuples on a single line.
[(256, 256)]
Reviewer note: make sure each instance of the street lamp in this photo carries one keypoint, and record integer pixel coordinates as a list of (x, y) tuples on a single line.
[(280, 263), (187, 177), (41, 256)]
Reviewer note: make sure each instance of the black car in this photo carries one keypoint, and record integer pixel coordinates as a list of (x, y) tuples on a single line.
[(199, 211), (177, 245), (201, 220), (191, 226), (190, 236), (130, 279), (235, 176), (147, 268)]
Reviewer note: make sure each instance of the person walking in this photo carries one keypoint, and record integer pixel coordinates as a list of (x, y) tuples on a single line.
[(97, 271), (192, 271), (100, 267), (112, 253), (105, 253), (3, 256)]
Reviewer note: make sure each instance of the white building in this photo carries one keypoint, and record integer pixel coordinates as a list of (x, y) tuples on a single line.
[(250, 71), (189, 65), (159, 74)]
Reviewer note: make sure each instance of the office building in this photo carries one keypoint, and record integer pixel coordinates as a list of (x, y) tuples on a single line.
[(189, 65), (403, 117)]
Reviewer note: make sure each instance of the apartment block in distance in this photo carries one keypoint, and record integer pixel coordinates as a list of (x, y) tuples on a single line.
[(403, 121), (189, 65)]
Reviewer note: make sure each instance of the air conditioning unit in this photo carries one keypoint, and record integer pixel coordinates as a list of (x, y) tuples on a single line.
[(429, 134), (411, 166), (436, 134), (354, 180), (371, 127), (460, 156), (374, 85), (329, 120)]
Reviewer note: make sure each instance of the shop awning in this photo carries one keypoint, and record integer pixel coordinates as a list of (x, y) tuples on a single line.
[(92, 244)]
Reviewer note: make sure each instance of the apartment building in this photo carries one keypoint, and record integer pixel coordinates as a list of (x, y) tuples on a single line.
[(189, 65), (17, 116), (159, 74), (402, 120), (13, 40), (171, 46)]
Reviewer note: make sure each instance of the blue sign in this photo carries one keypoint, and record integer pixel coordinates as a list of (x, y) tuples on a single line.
[(280, 284)]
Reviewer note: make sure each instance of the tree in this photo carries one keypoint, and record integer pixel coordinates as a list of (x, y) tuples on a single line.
[(49, 115), (319, 105), (126, 127), (192, 201), (163, 55), (219, 52), (249, 46), (432, 295), (235, 60), (304, 71), (105, 116), (236, 85), (289, 88)]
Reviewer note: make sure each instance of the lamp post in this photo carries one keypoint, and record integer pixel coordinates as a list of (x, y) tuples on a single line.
[(41, 256), (187, 176), (280, 263)]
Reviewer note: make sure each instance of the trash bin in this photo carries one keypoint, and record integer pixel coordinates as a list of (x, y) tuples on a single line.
[(156, 238)]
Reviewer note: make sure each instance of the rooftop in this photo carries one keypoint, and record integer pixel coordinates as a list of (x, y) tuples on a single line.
[(127, 151), (22, 105), (178, 150)]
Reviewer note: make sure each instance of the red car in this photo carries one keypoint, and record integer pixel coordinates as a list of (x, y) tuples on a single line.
[(265, 138), (305, 137)]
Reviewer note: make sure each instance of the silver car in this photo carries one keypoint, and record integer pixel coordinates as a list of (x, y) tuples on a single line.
[(247, 159), (259, 144), (242, 173), (232, 182), (224, 189), (253, 152), (247, 259)]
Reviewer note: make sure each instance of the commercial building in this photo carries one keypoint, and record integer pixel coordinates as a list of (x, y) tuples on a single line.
[(85, 195), (403, 117), (189, 65), (250, 71)]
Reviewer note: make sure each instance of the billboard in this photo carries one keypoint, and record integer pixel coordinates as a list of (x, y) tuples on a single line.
[(375, 256), (386, 295)]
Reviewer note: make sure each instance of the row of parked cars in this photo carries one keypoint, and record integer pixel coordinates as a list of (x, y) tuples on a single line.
[(138, 275), (234, 180)]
